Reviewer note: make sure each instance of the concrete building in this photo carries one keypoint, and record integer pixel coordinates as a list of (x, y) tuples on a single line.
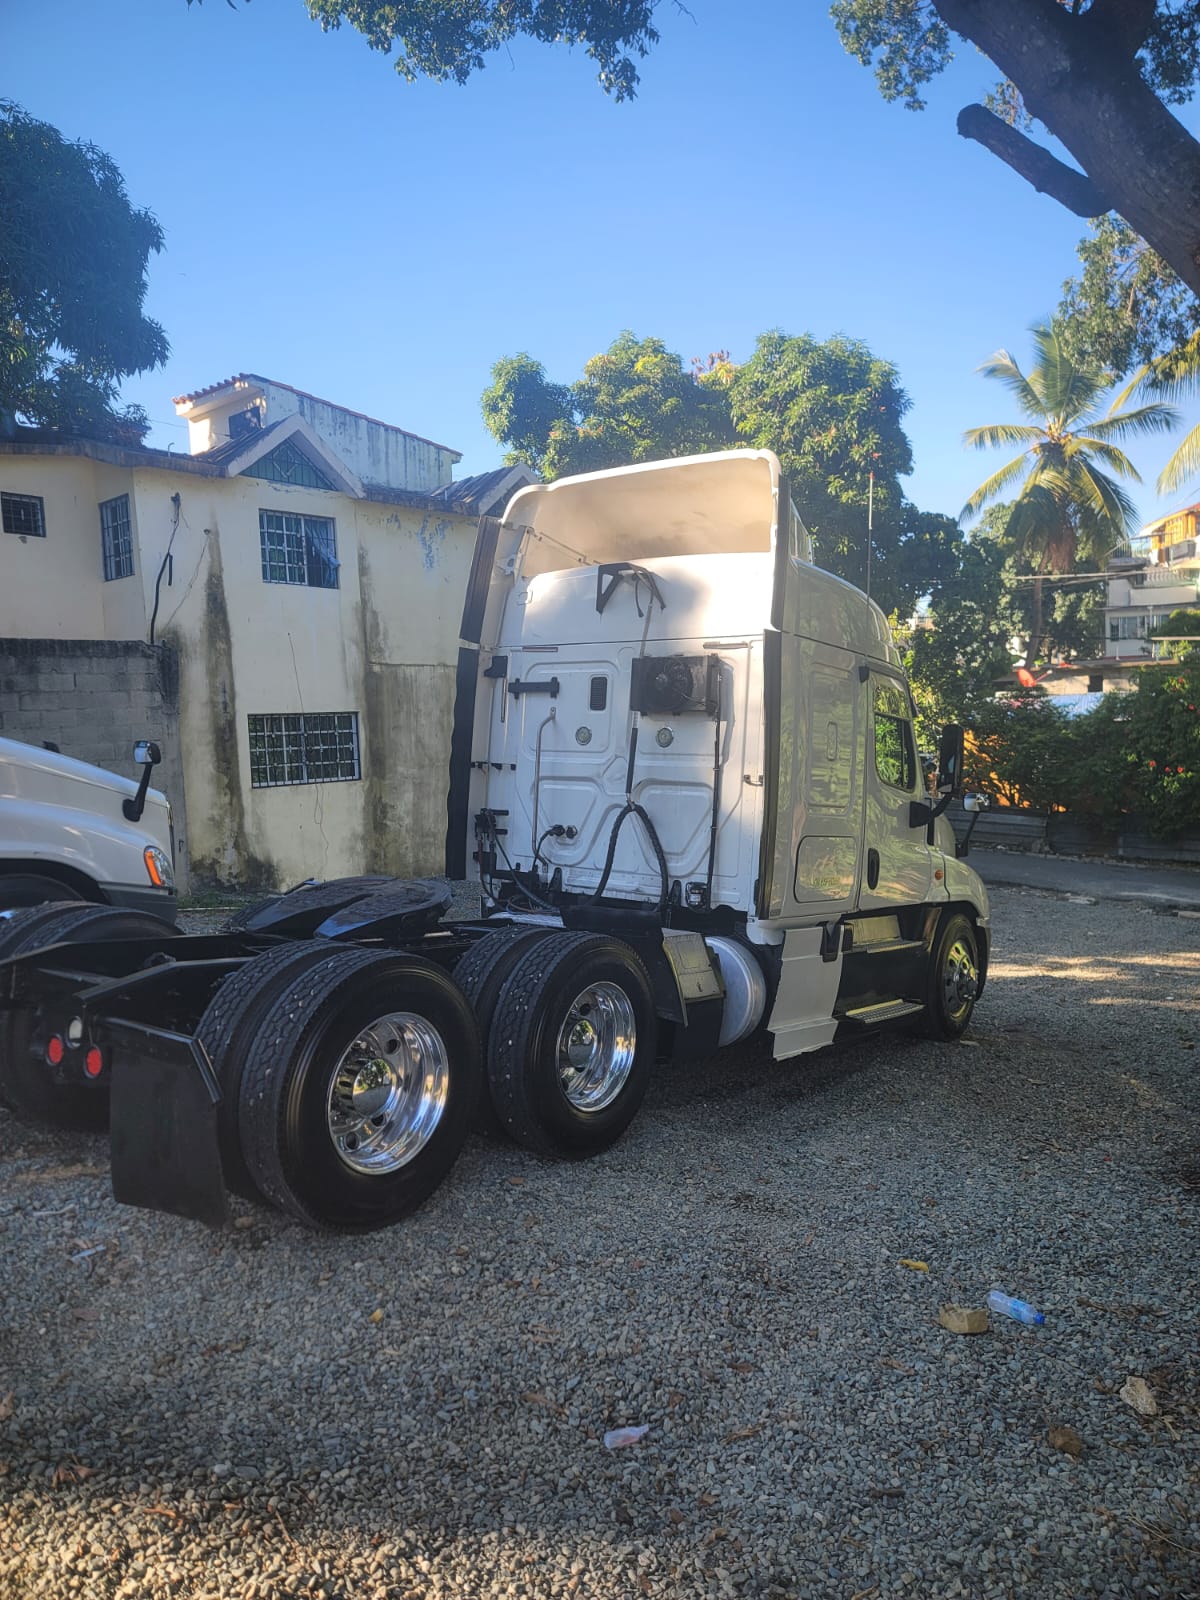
[(1160, 574), (293, 586)]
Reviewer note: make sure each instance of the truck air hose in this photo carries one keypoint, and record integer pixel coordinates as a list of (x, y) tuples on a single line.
[(631, 808)]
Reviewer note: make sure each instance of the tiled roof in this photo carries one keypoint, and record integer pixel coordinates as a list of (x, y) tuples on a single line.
[(480, 493), (225, 383), (221, 454), (303, 394)]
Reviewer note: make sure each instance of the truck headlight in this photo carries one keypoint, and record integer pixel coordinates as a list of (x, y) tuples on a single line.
[(158, 867)]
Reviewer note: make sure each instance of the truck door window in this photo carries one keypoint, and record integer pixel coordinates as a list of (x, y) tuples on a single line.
[(895, 753)]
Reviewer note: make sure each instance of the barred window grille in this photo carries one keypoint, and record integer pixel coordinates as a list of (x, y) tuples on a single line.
[(116, 538), (287, 464), (24, 514), (308, 747), (297, 549)]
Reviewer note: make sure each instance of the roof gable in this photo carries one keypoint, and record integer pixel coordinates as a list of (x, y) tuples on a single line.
[(289, 451), (287, 463)]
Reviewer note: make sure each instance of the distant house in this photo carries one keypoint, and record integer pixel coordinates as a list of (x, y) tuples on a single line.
[(1159, 574), (283, 601)]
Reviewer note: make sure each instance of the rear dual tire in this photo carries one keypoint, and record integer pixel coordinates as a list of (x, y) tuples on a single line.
[(354, 1075), (571, 1044)]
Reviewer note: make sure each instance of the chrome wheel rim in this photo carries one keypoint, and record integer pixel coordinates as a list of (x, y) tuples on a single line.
[(596, 1046), (960, 978), (387, 1093)]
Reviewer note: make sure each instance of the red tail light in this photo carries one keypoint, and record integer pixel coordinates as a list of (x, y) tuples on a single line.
[(93, 1062), (55, 1049)]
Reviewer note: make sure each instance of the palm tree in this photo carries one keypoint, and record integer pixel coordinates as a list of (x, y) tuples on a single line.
[(1069, 503), (1174, 376)]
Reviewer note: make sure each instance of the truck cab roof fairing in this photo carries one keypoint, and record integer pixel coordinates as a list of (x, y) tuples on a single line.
[(716, 504)]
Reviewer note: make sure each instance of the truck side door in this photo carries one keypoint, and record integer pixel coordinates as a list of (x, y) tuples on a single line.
[(897, 861)]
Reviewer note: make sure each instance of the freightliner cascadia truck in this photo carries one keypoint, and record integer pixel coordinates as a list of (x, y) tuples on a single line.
[(684, 774)]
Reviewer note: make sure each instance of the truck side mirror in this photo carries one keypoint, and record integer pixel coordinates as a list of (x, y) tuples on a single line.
[(149, 755), (950, 760)]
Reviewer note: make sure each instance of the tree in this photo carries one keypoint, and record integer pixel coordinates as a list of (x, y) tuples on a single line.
[(830, 410), (1069, 503), (1099, 77), (1156, 732), (1098, 74), (443, 42), (1126, 307), (1015, 750), (73, 256), (635, 402), (1183, 624), (1173, 376)]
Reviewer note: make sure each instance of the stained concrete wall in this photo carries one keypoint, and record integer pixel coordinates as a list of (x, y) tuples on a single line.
[(94, 698), (383, 645)]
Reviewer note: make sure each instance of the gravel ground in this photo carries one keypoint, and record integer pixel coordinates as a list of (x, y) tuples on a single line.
[(267, 1413)]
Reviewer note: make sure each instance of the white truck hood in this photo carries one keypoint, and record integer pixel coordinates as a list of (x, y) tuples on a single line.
[(51, 804)]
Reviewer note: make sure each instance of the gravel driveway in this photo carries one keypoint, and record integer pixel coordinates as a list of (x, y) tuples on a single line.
[(267, 1412)]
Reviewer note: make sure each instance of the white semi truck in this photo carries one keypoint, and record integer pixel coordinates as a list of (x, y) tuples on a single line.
[(72, 831), (684, 772)]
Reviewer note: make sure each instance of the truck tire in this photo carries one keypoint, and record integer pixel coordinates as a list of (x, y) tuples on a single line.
[(357, 1089), (230, 1019), (571, 1044), (27, 1085), (19, 889), (953, 982), (481, 974)]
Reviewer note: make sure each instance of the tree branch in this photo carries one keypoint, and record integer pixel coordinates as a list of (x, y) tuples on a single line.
[(1045, 172), (1120, 27)]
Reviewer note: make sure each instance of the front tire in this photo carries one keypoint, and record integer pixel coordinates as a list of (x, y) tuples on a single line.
[(953, 984), (571, 1044), (358, 1088)]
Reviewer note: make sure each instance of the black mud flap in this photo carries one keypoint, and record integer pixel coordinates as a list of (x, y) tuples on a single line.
[(163, 1124)]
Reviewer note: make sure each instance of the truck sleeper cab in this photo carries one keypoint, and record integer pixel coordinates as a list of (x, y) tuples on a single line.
[(683, 770)]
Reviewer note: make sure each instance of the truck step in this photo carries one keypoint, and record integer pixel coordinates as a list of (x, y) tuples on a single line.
[(883, 1011)]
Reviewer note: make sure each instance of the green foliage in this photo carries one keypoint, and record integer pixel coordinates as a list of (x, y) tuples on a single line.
[(830, 410), (1156, 731), (635, 402), (1137, 754), (1126, 307), (522, 408), (443, 42), (1178, 625), (73, 257), (905, 41), (1069, 503), (1015, 750)]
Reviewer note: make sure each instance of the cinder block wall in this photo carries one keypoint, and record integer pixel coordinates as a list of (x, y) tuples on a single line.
[(93, 698)]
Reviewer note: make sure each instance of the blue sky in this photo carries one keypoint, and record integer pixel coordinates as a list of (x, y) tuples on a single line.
[(382, 244)]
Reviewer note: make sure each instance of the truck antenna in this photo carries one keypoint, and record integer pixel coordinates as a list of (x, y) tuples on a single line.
[(870, 526)]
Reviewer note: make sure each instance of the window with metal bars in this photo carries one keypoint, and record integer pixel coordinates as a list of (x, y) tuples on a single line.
[(116, 538), (287, 464), (24, 514), (298, 549), (304, 747)]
